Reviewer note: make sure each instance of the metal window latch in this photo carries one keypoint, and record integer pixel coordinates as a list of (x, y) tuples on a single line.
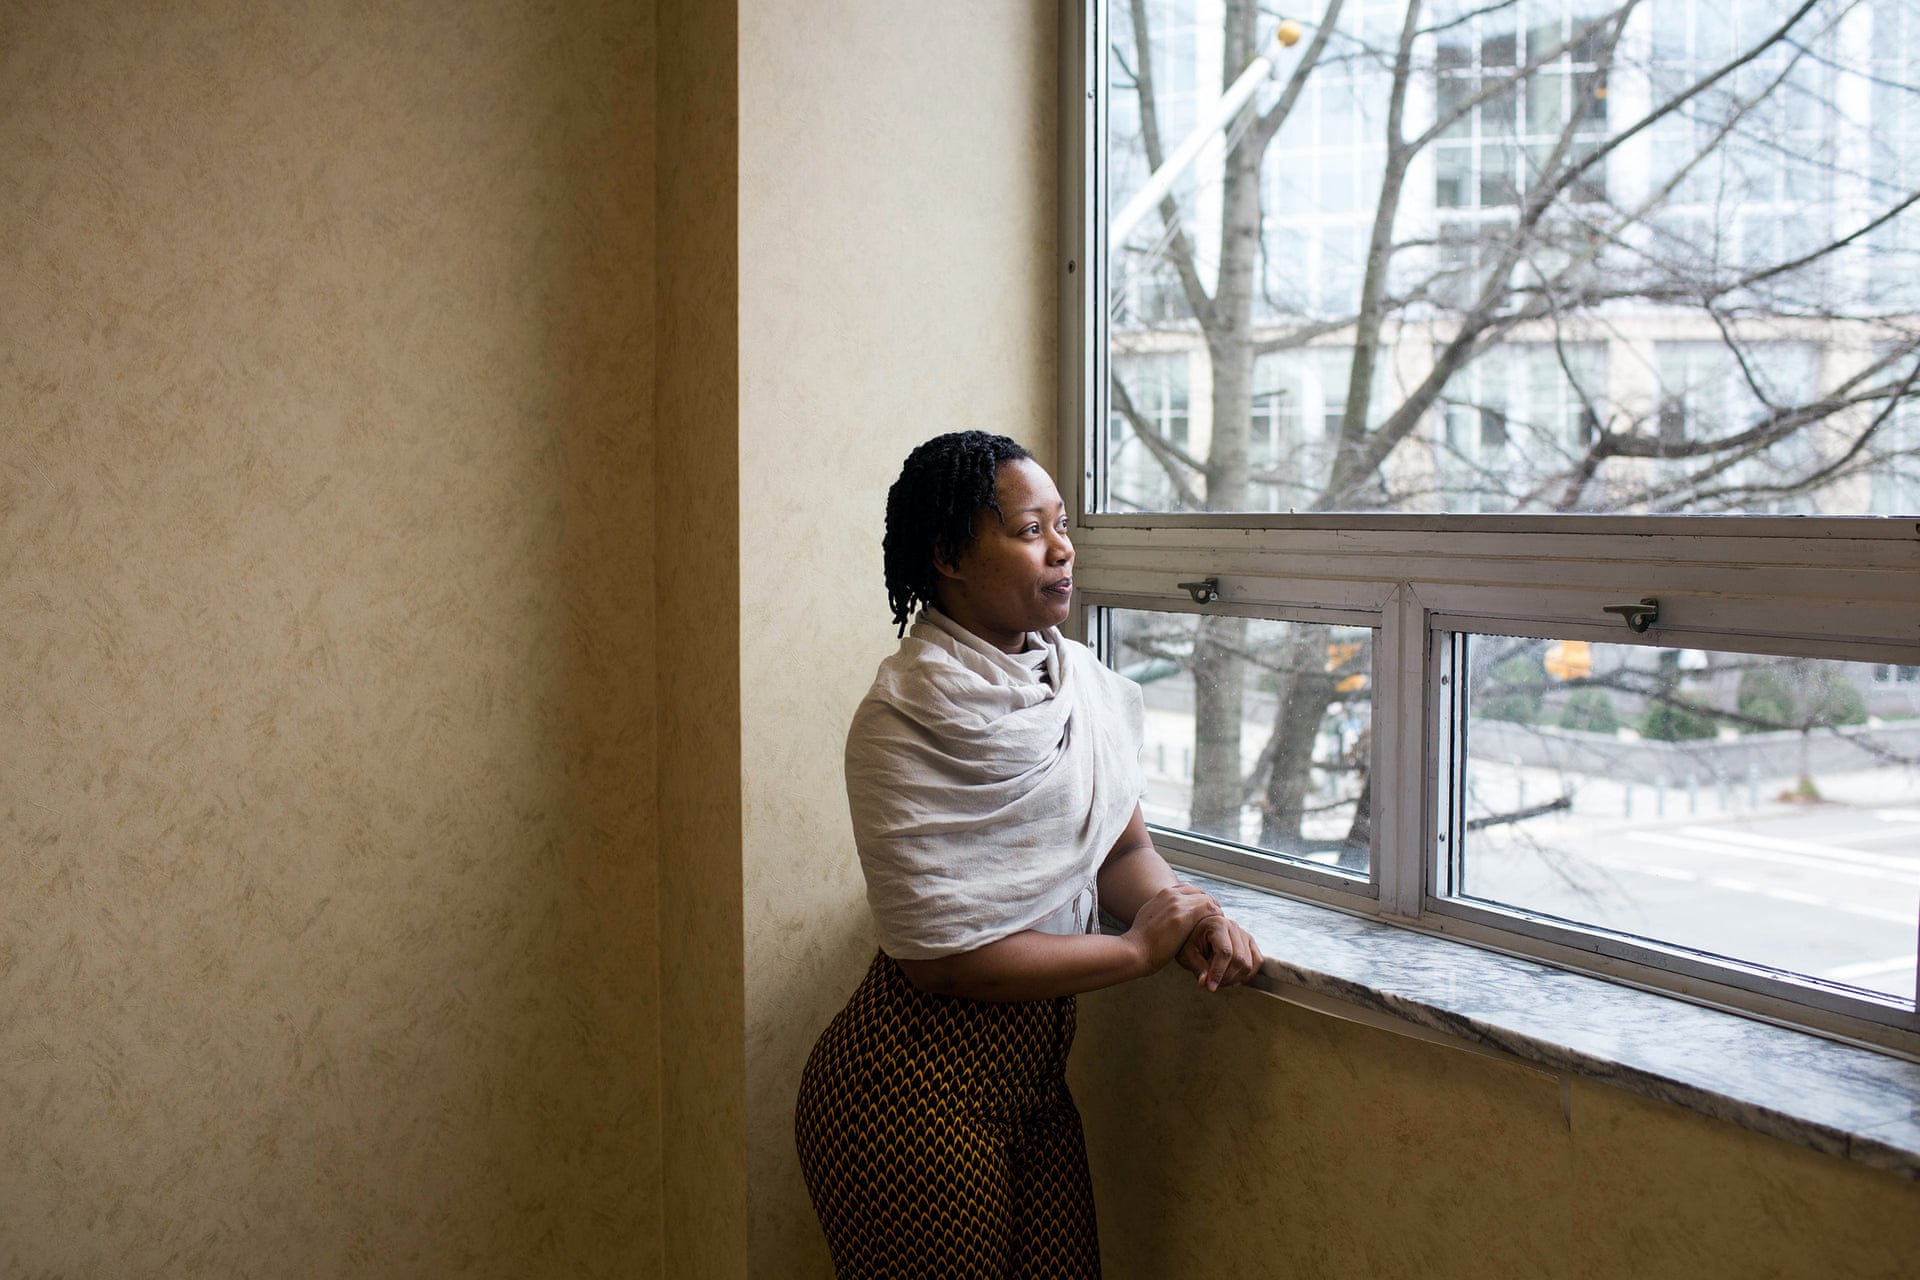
[(1638, 616), (1205, 591)]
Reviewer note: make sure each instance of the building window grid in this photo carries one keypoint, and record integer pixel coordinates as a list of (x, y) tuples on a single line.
[(1766, 194), (1335, 163), (1895, 485), (1706, 393), (1515, 417), (1490, 156), (1299, 399), (1893, 251), (1157, 383)]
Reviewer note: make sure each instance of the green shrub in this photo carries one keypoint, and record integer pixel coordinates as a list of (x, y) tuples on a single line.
[(1765, 696), (1590, 711), (1681, 720), (1513, 690), (1841, 702), (1799, 694)]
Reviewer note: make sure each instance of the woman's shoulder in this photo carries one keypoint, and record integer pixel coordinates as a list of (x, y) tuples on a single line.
[(918, 680)]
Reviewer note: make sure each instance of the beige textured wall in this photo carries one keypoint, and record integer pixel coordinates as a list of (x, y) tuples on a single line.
[(326, 741), (697, 530), (1244, 1136), (896, 281)]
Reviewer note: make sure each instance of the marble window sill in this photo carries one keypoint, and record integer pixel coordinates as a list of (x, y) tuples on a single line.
[(1846, 1101)]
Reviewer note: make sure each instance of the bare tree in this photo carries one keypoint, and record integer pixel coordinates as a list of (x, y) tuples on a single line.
[(1532, 190)]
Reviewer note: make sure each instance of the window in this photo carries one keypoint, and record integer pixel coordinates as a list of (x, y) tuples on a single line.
[(1737, 806), (1306, 684), (1537, 386)]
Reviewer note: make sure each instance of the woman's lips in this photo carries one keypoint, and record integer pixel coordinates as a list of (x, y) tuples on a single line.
[(1064, 587)]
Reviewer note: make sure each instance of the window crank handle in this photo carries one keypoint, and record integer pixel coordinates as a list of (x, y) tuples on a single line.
[(1638, 616), (1205, 591)]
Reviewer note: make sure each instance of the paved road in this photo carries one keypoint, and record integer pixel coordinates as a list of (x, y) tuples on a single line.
[(1830, 889)]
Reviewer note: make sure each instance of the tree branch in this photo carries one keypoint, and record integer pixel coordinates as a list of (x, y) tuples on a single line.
[(1169, 455), (1269, 124), (1301, 336)]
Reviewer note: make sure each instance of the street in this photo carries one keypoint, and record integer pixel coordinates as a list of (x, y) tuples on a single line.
[(1830, 888)]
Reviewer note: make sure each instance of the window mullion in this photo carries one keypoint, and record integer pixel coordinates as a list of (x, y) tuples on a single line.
[(1400, 835)]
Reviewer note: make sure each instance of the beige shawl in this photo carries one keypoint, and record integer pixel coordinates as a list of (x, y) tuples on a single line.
[(983, 802)]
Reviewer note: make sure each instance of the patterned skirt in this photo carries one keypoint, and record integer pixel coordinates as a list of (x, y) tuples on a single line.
[(938, 1138)]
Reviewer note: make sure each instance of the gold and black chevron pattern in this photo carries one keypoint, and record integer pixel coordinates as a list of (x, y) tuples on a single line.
[(939, 1141)]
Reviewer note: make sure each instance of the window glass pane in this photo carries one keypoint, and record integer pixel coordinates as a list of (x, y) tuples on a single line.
[(1762, 809), (1259, 732), (1762, 218)]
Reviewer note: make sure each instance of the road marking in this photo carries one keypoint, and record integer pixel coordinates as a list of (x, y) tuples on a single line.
[(1668, 840), (1808, 847), (1871, 968), (1794, 896), (1876, 913), (1888, 834)]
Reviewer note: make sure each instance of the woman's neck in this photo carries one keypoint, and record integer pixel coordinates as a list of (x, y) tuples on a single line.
[(1005, 641)]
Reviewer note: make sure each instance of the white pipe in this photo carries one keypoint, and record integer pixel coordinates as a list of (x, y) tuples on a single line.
[(1176, 164)]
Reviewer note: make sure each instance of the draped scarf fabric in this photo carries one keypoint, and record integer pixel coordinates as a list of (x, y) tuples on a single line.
[(983, 801)]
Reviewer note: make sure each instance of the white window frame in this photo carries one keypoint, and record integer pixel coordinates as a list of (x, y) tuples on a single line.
[(1742, 581)]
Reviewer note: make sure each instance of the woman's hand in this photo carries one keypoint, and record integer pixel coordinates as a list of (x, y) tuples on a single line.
[(1220, 953), (1137, 885), (1166, 920)]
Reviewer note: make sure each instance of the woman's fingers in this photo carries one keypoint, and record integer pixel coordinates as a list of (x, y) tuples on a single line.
[(1219, 953), (1220, 934), (1246, 956), (1193, 954), (1254, 958)]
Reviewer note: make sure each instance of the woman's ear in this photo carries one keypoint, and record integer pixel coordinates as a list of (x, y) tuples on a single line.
[(945, 568)]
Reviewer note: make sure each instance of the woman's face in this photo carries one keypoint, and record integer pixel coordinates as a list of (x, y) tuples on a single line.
[(1017, 574)]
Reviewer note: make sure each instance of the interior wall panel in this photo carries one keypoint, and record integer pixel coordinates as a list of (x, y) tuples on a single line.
[(326, 624)]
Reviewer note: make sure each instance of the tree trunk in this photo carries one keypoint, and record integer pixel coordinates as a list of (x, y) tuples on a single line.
[(1218, 677), (1229, 330), (1358, 852), (1219, 682), (1306, 688)]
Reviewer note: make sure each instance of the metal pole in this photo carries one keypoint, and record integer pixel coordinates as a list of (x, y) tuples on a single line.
[(1176, 164)]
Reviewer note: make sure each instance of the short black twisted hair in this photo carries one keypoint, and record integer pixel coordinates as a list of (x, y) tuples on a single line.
[(931, 509)]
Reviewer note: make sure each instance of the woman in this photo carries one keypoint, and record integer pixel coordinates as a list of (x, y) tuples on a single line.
[(994, 778)]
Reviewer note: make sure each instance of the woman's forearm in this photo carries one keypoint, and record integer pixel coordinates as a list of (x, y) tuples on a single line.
[(1133, 872), (1039, 966), (1033, 966)]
